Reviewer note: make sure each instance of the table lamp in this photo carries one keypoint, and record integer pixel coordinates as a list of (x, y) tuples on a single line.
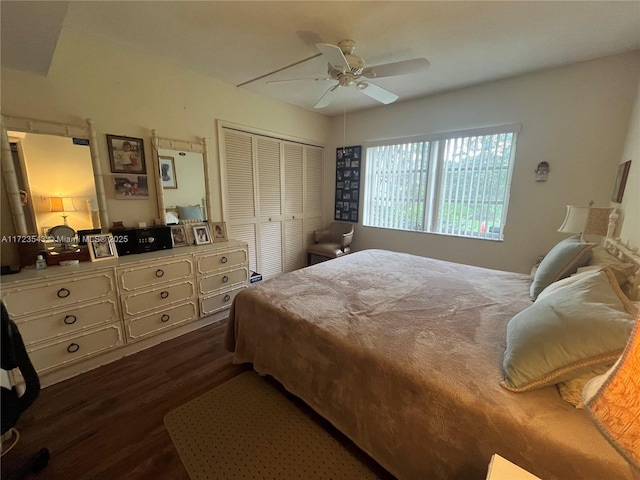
[(586, 221), (63, 234), (62, 205)]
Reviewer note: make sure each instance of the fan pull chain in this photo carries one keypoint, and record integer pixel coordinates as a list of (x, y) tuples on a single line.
[(344, 129)]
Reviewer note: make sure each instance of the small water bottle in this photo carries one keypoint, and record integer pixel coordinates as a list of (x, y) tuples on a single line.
[(41, 263)]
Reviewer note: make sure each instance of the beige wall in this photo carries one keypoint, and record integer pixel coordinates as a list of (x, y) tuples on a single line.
[(631, 200), (576, 118), (129, 94)]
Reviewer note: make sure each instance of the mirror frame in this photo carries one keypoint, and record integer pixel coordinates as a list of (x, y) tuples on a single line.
[(178, 145), (48, 128)]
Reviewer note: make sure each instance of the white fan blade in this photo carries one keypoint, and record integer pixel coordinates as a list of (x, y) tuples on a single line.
[(377, 93), (398, 68), (325, 99), (298, 79), (334, 55)]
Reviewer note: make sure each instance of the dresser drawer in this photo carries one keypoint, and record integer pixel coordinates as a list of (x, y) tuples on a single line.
[(67, 321), (63, 352), (223, 280), (157, 298), (140, 277), (47, 296), (215, 303), (140, 327), (219, 261)]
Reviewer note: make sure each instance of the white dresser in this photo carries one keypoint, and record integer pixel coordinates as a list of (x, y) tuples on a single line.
[(75, 318)]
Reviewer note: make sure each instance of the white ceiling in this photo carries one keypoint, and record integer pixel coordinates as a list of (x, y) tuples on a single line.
[(236, 41)]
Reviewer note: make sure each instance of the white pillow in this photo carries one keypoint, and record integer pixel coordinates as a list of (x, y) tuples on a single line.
[(170, 218)]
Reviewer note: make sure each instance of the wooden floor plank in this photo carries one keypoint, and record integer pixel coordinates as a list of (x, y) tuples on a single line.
[(108, 423)]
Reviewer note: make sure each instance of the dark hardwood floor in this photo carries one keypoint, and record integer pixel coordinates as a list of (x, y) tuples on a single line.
[(108, 423)]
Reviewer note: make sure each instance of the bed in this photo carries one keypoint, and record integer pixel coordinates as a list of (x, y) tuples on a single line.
[(404, 355)]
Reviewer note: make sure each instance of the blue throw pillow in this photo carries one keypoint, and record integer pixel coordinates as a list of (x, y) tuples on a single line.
[(562, 261), (190, 212)]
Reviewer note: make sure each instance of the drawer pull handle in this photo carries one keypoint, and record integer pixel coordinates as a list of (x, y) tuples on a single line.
[(164, 294), (227, 298), (225, 279), (164, 318), (70, 319), (159, 273), (73, 348), (63, 293), (224, 260)]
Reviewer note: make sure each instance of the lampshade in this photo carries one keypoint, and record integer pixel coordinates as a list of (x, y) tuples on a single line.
[(62, 204), (586, 220), (613, 401)]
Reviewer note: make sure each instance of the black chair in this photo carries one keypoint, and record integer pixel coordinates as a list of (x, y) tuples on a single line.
[(14, 355)]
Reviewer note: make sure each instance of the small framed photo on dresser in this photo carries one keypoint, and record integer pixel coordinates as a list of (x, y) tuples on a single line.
[(179, 236), (219, 231), (201, 234), (101, 247)]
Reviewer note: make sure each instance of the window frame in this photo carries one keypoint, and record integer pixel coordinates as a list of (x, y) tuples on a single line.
[(435, 165)]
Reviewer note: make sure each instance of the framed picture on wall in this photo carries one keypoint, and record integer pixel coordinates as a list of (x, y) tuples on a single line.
[(126, 154), (131, 187), (347, 202), (168, 172), (621, 181)]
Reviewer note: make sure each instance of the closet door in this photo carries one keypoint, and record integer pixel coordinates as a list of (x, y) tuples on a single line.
[(272, 197), (313, 198), (294, 250), (270, 193), (240, 190)]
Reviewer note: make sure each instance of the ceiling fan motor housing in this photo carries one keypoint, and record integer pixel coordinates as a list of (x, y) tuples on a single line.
[(356, 64)]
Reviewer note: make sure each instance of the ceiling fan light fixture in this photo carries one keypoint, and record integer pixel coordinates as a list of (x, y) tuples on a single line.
[(346, 80)]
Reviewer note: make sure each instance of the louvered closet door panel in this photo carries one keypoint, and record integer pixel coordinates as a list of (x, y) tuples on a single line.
[(293, 178), (314, 159), (246, 233), (313, 182), (269, 185), (293, 245), (240, 176), (270, 248)]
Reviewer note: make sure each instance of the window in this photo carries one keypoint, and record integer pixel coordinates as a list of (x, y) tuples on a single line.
[(454, 183)]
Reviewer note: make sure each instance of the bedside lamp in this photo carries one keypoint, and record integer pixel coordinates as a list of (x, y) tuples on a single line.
[(62, 205), (586, 220), (613, 402)]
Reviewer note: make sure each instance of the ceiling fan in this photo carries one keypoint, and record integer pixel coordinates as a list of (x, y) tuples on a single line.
[(349, 69)]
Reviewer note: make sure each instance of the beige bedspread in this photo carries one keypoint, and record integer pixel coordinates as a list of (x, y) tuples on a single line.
[(403, 354)]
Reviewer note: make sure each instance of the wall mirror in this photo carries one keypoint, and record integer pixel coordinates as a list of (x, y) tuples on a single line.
[(182, 180), (53, 176)]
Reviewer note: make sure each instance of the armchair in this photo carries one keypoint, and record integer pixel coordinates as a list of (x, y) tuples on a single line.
[(333, 242)]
